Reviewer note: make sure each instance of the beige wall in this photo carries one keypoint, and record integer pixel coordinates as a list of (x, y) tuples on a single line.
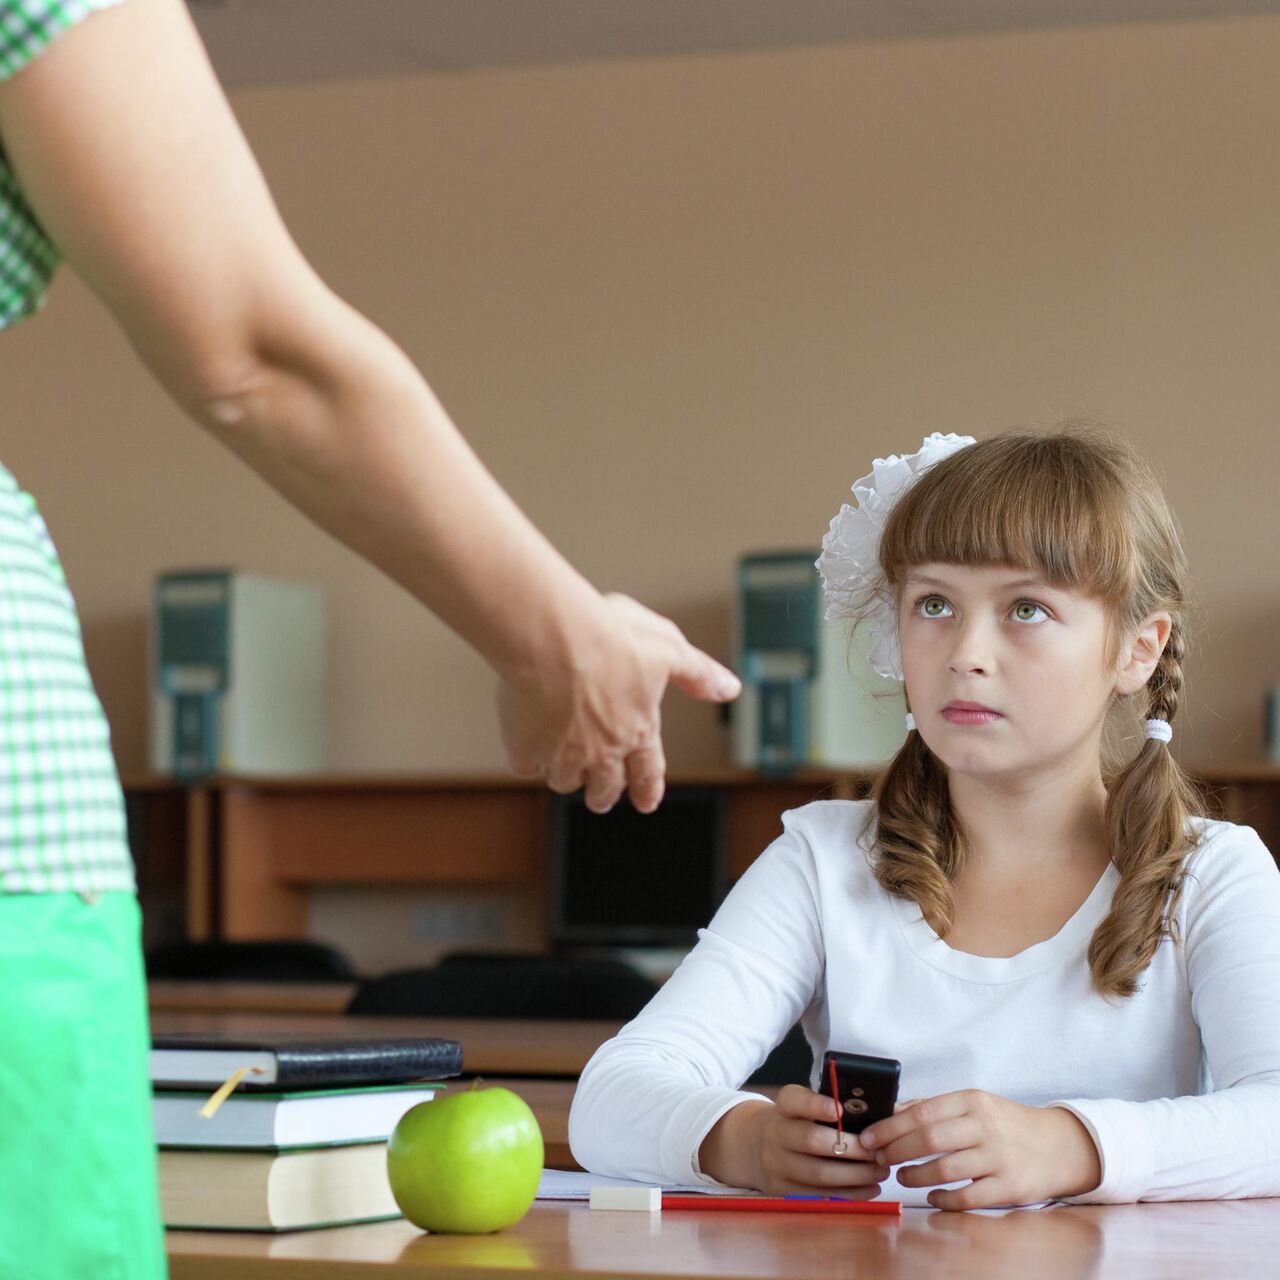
[(678, 305)]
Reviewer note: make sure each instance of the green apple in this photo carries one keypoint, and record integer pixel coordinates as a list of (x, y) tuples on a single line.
[(466, 1162)]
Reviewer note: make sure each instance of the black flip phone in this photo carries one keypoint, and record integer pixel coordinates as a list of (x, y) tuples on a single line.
[(865, 1087)]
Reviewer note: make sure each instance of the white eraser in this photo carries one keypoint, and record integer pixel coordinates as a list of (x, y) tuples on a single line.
[(641, 1199)]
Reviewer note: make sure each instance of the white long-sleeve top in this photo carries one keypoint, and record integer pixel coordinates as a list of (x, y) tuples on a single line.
[(1179, 1084)]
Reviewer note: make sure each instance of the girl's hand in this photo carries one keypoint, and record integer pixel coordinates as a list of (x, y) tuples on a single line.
[(794, 1151), (1014, 1154)]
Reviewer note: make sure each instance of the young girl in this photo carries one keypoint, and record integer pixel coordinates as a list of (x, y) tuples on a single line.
[(1080, 978)]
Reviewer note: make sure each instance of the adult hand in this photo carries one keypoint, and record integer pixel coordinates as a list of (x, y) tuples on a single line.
[(795, 1153), (595, 720), (1013, 1153)]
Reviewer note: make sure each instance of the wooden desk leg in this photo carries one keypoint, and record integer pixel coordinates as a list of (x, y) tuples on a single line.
[(255, 904), (199, 865)]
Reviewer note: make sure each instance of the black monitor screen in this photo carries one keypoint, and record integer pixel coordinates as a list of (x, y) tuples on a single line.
[(627, 878)]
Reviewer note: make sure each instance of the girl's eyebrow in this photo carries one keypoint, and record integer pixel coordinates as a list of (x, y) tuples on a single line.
[(1036, 584)]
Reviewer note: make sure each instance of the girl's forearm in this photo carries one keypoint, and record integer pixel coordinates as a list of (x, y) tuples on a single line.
[(729, 1153)]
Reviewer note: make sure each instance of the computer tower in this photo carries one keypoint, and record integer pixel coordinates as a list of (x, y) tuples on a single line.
[(809, 697), (238, 675)]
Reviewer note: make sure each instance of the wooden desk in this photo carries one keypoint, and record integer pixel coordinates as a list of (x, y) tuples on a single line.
[(1195, 1241), (249, 997), (492, 1046)]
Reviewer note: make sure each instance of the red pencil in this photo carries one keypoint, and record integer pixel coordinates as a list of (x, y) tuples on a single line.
[(783, 1204)]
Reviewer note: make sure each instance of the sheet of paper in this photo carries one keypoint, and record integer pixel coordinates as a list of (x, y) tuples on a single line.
[(563, 1184), (991, 1213)]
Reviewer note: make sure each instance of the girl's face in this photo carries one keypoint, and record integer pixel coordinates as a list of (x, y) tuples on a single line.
[(1006, 675)]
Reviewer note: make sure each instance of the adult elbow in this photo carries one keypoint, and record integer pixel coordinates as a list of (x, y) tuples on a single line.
[(226, 363), (212, 371), (222, 394)]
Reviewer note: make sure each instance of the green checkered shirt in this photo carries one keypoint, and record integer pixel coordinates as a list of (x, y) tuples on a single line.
[(27, 255), (62, 823), (62, 820)]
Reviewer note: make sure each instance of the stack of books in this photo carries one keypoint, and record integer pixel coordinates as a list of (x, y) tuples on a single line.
[(301, 1138)]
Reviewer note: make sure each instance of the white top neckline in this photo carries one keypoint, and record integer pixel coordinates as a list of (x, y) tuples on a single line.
[(1065, 945)]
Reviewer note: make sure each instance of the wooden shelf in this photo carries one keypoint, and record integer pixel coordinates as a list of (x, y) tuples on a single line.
[(246, 851), (1242, 771), (727, 777)]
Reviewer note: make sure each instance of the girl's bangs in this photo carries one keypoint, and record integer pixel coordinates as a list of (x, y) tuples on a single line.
[(1025, 502)]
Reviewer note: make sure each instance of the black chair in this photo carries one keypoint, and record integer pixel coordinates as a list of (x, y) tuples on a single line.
[(508, 986), (790, 1062), (282, 961)]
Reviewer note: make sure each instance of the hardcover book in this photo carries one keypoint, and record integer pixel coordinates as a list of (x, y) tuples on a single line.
[(275, 1190), (286, 1061), (300, 1118)]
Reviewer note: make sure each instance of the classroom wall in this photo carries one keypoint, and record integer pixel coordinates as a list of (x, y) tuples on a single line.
[(677, 305)]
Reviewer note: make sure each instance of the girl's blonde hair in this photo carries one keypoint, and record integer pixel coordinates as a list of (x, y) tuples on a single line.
[(1079, 508)]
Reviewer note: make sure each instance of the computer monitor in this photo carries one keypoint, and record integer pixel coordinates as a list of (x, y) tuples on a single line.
[(630, 879)]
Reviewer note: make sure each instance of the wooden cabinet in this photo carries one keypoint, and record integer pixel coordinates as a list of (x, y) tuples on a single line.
[(277, 839), (1247, 794), (234, 858), (172, 836)]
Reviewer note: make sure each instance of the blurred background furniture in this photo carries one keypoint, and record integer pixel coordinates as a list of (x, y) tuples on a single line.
[(508, 986), (274, 960)]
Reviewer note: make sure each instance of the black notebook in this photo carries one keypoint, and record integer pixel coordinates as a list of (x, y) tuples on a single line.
[(282, 1061)]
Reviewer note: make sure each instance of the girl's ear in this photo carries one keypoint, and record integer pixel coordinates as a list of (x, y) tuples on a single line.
[(1141, 658)]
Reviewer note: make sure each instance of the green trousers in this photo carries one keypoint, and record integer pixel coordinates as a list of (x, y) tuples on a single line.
[(78, 1197)]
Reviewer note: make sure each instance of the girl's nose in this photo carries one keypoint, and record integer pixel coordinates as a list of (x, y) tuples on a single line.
[(971, 653)]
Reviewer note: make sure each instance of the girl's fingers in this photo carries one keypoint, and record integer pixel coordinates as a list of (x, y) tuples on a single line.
[(946, 1106), (818, 1140), (956, 1166), (813, 1174), (786, 1187), (798, 1103), (931, 1139), (985, 1193)]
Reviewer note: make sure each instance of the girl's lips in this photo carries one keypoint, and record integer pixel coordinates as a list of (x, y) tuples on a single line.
[(967, 715)]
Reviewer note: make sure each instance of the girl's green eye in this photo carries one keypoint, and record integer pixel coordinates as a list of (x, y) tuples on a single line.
[(933, 606), (1026, 610)]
